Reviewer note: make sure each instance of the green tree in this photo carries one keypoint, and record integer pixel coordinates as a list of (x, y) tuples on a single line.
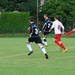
[(18, 5), (64, 8)]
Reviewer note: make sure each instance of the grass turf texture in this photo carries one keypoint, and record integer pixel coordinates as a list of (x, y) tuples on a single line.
[(15, 61)]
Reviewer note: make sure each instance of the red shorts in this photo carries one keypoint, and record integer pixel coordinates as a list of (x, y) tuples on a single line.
[(57, 37)]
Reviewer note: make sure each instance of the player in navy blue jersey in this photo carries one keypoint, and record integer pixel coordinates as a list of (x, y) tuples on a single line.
[(34, 37), (45, 29)]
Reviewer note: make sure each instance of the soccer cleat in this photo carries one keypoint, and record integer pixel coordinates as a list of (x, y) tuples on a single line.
[(46, 45), (65, 51), (46, 56), (30, 52)]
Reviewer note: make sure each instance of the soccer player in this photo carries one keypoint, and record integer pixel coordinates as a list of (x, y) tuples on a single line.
[(57, 25), (45, 28), (70, 32), (34, 37)]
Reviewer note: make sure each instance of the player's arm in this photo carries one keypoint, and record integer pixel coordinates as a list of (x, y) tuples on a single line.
[(43, 27), (30, 31), (51, 27), (62, 29), (29, 28)]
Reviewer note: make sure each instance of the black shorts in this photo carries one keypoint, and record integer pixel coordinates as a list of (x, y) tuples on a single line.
[(36, 39), (45, 33)]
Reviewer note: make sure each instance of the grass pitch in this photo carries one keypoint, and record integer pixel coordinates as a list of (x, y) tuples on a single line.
[(15, 61)]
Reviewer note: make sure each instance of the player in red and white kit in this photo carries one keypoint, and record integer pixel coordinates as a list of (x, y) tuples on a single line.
[(57, 25)]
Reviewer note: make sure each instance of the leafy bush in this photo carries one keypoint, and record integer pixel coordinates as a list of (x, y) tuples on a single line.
[(14, 22)]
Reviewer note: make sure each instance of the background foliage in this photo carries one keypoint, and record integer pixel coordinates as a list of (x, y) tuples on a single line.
[(18, 5), (11, 22), (64, 8)]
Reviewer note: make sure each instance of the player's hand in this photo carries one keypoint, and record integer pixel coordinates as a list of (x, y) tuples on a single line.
[(62, 33), (39, 31), (50, 30)]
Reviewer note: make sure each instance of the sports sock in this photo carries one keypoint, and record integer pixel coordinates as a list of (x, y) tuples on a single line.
[(43, 49), (29, 46), (45, 41), (63, 46), (70, 32), (60, 44)]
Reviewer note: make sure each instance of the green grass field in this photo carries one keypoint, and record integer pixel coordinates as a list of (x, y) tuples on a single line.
[(15, 61)]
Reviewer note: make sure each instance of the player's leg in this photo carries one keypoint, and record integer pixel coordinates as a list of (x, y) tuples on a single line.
[(63, 47), (57, 40), (43, 50), (60, 44), (44, 40), (29, 46), (38, 41), (70, 32)]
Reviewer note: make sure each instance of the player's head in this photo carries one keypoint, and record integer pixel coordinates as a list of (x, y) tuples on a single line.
[(56, 17), (31, 19), (45, 16)]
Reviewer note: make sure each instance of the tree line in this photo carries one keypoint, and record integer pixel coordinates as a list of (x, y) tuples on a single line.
[(64, 8), (18, 5)]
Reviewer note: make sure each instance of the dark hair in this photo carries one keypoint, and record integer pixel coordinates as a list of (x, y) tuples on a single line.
[(46, 15), (57, 17), (31, 18)]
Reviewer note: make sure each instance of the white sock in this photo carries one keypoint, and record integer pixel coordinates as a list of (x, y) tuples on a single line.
[(45, 42), (44, 38), (43, 49), (29, 46)]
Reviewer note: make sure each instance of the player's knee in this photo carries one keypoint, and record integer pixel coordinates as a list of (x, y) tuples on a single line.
[(41, 47), (44, 36), (39, 44), (74, 29), (59, 42), (55, 40), (27, 42)]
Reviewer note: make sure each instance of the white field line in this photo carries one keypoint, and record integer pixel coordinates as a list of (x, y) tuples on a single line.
[(39, 52), (15, 55)]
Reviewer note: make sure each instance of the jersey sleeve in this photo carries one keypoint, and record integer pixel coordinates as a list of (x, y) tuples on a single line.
[(43, 26), (62, 26), (29, 26)]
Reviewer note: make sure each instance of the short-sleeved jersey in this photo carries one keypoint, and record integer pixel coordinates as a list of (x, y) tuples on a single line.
[(33, 29), (57, 25), (47, 25)]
